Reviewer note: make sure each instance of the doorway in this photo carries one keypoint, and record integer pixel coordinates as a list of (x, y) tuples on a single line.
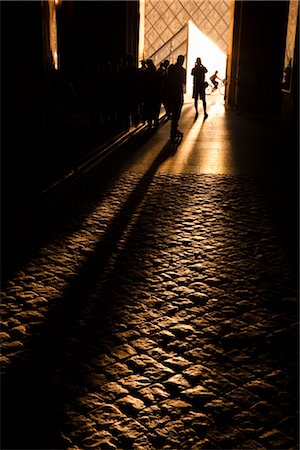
[(192, 28)]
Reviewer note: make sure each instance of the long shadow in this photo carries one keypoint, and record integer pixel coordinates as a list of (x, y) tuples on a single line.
[(32, 397), (28, 226)]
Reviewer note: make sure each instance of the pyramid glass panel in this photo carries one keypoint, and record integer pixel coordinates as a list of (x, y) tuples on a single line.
[(212, 17)]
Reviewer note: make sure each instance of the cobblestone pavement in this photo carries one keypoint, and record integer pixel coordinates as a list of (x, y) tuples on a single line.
[(164, 315)]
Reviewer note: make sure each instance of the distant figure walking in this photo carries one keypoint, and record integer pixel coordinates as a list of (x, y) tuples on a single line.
[(176, 79), (198, 73)]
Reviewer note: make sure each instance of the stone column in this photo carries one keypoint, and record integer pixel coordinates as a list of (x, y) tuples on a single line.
[(258, 56)]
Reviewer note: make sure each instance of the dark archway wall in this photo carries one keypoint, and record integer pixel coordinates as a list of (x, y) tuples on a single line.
[(258, 56), (87, 31), (22, 72), (96, 31)]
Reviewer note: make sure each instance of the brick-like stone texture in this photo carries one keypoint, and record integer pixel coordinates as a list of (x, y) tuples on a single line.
[(163, 316)]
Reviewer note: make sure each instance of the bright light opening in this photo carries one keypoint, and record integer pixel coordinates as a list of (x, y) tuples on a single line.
[(53, 33), (211, 56)]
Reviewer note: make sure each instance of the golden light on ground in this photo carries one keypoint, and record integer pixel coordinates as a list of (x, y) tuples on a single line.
[(200, 150), (179, 160), (215, 156)]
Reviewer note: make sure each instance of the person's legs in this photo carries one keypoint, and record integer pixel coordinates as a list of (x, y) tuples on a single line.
[(204, 109), (203, 98), (196, 100), (174, 123), (176, 108), (179, 114)]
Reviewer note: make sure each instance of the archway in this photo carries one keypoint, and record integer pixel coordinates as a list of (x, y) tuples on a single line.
[(187, 27)]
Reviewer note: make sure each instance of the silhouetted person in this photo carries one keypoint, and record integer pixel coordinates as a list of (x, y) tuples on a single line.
[(166, 65), (214, 79), (163, 70), (176, 79), (198, 73), (161, 77), (166, 99), (130, 86), (152, 94), (142, 75)]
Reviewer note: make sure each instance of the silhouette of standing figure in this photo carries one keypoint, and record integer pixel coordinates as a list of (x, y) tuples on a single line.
[(175, 80), (152, 95), (198, 72), (130, 92), (165, 100)]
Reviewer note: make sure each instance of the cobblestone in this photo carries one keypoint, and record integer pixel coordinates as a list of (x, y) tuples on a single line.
[(164, 318)]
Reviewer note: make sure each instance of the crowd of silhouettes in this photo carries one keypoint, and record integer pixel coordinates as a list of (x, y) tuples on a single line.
[(114, 95)]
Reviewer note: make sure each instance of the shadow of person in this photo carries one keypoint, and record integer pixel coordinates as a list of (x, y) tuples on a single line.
[(40, 380)]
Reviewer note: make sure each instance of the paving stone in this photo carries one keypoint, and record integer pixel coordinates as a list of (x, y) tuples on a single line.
[(195, 370), (131, 404), (104, 415), (177, 362), (116, 371), (11, 346), (174, 406), (198, 394), (260, 387), (123, 352), (180, 338), (181, 345), (128, 335), (27, 316), (4, 362), (89, 402), (111, 391), (158, 372), (4, 336), (276, 439), (94, 380), (177, 382), (134, 381), (165, 335), (102, 360), (152, 418), (173, 433), (154, 392), (19, 331), (143, 344)]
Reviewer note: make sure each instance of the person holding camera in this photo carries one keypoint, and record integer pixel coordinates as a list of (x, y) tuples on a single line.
[(198, 73)]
